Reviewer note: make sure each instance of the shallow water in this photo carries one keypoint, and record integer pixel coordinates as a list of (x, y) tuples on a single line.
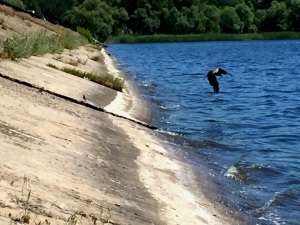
[(248, 133)]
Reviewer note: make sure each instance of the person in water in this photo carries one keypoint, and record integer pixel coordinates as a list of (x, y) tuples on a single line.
[(211, 76)]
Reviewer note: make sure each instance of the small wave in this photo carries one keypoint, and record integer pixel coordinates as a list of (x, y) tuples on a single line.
[(163, 107), (237, 174)]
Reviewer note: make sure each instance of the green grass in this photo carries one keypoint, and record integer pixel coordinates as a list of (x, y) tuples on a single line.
[(52, 66), (159, 38), (41, 43), (107, 80)]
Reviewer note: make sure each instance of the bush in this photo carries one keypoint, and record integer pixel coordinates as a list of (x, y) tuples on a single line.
[(86, 33), (71, 40)]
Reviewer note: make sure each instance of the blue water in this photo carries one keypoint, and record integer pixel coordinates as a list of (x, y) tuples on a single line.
[(249, 133)]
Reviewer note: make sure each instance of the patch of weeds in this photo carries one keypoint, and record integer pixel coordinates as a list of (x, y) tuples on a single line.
[(86, 33), (33, 44), (23, 201), (95, 58), (104, 217), (52, 66), (72, 40), (107, 80), (28, 23), (40, 43)]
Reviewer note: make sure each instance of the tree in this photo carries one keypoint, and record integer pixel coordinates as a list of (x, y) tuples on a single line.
[(230, 21), (196, 19), (294, 15), (260, 19), (212, 14), (170, 20), (145, 21), (276, 17), (95, 15), (246, 16)]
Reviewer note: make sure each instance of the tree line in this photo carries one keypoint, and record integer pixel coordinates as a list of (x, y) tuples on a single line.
[(145, 17)]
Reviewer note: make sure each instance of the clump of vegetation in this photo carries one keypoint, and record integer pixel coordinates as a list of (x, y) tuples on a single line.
[(95, 58), (52, 66), (41, 43), (86, 33), (107, 80), (71, 40), (159, 38)]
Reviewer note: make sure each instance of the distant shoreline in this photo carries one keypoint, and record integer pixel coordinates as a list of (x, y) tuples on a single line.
[(164, 38)]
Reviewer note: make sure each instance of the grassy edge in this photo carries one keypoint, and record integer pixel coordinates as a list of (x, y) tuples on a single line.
[(107, 80), (160, 38)]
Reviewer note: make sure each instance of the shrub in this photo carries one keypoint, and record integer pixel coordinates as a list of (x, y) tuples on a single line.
[(86, 33)]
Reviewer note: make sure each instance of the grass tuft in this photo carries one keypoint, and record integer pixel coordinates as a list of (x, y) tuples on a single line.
[(108, 80), (52, 66), (41, 43)]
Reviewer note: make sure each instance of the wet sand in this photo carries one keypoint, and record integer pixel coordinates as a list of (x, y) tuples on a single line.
[(63, 161)]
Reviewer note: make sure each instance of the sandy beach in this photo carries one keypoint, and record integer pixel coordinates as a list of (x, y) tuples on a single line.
[(69, 159)]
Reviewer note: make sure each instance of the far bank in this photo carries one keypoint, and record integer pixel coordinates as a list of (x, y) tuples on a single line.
[(160, 38)]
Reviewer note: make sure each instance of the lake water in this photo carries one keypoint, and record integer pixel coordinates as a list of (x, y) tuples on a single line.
[(248, 135)]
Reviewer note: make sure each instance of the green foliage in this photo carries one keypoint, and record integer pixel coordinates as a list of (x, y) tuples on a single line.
[(86, 33), (40, 43), (104, 18), (107, 80), (71, 40), (17, 3), (246, 16), (276, 16), (294, 17), (95, 15), (32, 44), (230, 21), (161, 38)]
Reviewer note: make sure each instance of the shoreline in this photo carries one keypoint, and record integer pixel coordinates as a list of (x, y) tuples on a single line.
[(165, 176)]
